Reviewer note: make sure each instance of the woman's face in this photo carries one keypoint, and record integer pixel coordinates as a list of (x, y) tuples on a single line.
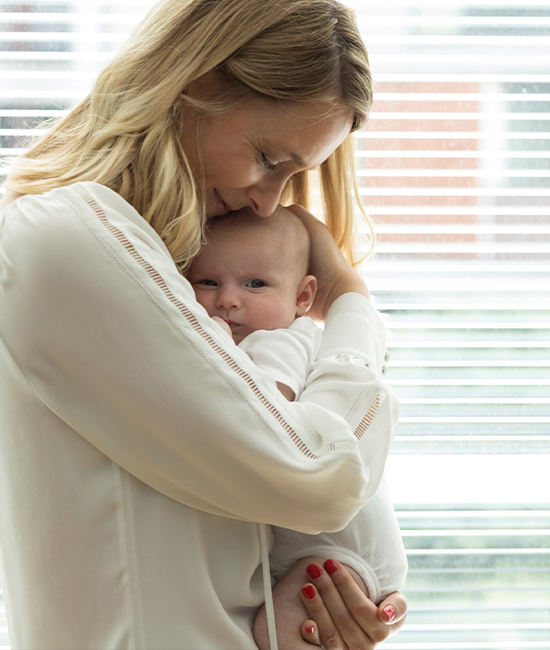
[(251, 151)]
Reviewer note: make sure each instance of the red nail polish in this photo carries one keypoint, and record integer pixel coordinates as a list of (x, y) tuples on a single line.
[(313, 571), (309, 592), (331, 566), (389, 611), (310, 629)]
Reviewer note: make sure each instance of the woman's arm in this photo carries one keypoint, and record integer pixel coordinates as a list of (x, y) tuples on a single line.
[(111, 338), (335, 276), (371, 543)]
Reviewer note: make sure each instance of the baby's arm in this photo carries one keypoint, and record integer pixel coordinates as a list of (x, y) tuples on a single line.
[(283, 388), (371, 544), (285, 355), (370, 548)]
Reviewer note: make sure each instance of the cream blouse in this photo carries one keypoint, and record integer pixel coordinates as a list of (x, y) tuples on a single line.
[(139, 448)]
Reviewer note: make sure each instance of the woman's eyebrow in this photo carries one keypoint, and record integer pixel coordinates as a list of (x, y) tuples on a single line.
[(296, 158)]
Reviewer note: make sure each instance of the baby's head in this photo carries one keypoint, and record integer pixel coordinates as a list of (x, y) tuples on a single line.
[(252, 271)]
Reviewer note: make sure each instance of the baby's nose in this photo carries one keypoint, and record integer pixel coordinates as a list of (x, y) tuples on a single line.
[(227, 298)]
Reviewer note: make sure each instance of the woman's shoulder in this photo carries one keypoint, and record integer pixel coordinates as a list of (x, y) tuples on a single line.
[(8, 197), (70, 198), (61, 200), (74, 213), (81, 224)]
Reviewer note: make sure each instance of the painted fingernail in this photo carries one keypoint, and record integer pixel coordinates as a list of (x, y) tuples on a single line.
[(309, 592), (310, 629), (313, 571), (389, 611), (331, 566)]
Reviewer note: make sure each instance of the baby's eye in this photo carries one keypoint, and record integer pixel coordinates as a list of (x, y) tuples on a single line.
[(207, 283), (256, 284)]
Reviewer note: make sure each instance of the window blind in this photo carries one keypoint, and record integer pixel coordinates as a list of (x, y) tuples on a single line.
[(454, 170)]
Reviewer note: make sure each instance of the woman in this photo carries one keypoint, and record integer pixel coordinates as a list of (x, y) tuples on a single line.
[(142, 457)]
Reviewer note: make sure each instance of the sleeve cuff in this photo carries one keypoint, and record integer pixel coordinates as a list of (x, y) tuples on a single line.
[(355, 329), (347, 557)]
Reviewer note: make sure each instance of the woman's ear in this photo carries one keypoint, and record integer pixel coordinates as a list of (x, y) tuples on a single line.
[(305, 294)]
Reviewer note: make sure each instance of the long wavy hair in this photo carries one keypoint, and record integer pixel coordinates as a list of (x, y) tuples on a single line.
[(126, 134)]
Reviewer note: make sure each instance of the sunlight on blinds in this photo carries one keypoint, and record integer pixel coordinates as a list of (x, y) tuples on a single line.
[(454, 170)]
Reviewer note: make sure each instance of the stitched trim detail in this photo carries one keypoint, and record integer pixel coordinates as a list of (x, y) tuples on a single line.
[(370, 415), (194, 323)]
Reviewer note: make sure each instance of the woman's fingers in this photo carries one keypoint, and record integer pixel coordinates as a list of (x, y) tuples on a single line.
[(392, 611), (351, 619), (327, 632), (360, 623), (310, 633), (335, 276)]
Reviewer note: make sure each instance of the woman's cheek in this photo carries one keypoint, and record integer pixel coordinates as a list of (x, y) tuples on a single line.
[(238, 176)]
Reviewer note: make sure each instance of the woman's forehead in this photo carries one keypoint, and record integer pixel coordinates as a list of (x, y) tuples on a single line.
[(306, 133)]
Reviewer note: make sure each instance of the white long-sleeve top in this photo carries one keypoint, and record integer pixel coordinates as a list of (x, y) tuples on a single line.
[(138, 446), (372, 542), (286, 354)]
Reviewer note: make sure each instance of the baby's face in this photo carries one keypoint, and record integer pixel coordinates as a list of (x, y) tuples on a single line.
[(245, 281)]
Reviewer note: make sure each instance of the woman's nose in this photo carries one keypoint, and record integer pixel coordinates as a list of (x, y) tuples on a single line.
[(265, 196)]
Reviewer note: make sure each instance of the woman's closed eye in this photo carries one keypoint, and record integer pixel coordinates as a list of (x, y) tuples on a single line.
[(267, 163)]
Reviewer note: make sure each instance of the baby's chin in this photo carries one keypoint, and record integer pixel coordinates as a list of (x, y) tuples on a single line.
[(239, 338)]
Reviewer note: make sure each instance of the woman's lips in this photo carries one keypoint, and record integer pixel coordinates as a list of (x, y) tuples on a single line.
[(221, 206)]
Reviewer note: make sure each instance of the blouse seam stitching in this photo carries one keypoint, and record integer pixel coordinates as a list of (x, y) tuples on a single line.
[(195, 325)]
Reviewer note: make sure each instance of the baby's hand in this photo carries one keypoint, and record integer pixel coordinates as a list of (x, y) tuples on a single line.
[(223, 325)]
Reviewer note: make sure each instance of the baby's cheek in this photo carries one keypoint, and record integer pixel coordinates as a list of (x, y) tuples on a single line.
[(277, 314), (204, 299)]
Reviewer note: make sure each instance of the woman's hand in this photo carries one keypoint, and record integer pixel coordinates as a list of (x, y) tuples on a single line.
[(290, 612), (335, 275), (343, 618)]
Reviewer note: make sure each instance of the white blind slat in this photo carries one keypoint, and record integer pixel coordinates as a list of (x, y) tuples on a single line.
[(455, 163)]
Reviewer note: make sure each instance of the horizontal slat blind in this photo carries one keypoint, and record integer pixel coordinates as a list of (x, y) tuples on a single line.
[(50, 52), (454, 168)]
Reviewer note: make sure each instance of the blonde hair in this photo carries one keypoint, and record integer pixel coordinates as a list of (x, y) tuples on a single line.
[(126, 134)]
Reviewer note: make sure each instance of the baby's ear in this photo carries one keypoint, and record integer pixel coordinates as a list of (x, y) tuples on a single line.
[(305, 294)]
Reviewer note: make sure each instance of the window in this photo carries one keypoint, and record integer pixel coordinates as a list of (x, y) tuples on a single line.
[(455, 168)]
